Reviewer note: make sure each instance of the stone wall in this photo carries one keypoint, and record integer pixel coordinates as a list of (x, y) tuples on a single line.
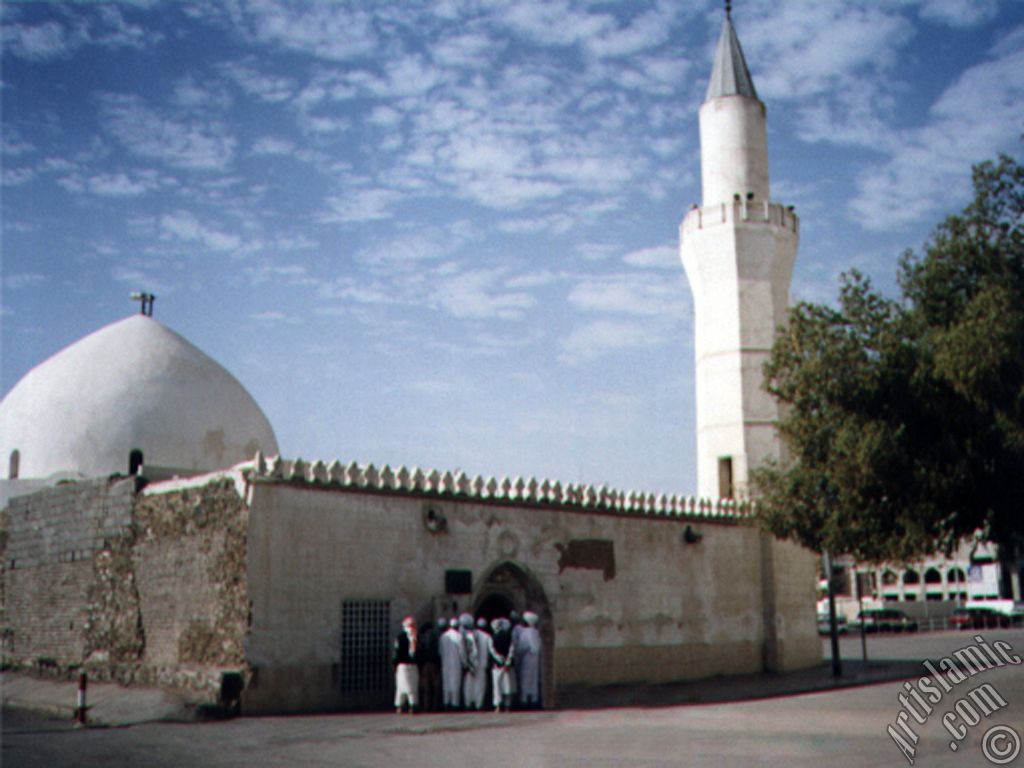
[(52, 539), (144, 588), (188, 561)]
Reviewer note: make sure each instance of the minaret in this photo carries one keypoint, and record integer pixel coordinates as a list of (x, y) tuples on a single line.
[(738, 250)]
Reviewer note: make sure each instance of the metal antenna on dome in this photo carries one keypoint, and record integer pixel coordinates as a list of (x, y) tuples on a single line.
[(145, 302), (728, 9)]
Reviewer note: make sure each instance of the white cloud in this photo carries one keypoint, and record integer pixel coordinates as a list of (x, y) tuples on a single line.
[(183, 226), (326, 30), (596, 251), (408, 76), (959, 13), (928, 169), (356, 204), (396, 250), (552, 22), (273, 317), (645, 31), (481, 294), (12, 144), (385, 117), (49, 40), (348, 290), (265, 87), (596, 339), (658, 257), (805, 47), (23, 280), (325, 124), (280, 274), (855, 115), (273, 145), (14, 177), (189, 95), (434, 387), (554, 223), (113, 184), (77, 27), (643, 294), (195, 144), (466, 50), (533, 279)]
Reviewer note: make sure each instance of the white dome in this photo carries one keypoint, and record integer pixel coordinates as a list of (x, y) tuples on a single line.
[(132, 385)]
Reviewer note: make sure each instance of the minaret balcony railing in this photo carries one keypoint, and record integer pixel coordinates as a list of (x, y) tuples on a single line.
[(745, 211)]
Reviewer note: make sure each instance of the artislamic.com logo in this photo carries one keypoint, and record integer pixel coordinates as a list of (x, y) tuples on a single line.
[(1000, 744)]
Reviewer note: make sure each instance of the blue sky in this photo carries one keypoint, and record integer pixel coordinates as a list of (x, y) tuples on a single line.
[(445, 233)]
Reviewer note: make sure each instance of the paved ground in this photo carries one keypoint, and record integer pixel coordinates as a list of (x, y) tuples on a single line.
[(844, 727)]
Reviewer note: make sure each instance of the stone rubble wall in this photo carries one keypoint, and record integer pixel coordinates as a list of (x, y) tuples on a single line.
[(52, 538), (145, 588)]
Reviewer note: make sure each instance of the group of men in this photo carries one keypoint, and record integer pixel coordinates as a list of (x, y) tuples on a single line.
[(461, 658)]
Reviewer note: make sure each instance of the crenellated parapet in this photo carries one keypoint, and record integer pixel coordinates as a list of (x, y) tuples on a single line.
[(745, 211), (505, 490)]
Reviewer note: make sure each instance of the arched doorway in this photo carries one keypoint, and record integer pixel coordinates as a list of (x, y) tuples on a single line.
[(494, 605), (507, 587)]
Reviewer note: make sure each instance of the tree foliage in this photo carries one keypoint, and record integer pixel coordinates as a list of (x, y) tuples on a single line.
[(903, 418)]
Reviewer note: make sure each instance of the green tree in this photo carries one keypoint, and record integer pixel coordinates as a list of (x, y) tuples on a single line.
[(904, 418)]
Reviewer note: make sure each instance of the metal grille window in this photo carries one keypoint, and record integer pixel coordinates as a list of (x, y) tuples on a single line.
[(365, 646)]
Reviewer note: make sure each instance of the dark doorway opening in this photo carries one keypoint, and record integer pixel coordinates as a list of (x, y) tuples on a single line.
[(495, 606)]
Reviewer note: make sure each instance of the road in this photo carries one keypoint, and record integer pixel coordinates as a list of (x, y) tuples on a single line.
[(836, 728)]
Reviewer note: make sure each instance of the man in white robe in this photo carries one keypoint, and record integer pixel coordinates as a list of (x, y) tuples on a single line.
[(404, 655), (451, 666), (528, 661), (477, 695), (470, 659)]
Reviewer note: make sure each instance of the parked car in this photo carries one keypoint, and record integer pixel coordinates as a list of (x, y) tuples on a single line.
[(978, 617), (886, 620), (825, 626)]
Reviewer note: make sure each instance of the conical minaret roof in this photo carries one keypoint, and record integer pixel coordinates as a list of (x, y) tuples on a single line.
[(730, 76)]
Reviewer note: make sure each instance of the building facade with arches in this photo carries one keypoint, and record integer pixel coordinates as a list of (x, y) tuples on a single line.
[(929, 589)]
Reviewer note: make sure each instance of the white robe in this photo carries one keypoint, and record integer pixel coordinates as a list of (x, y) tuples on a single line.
[(451, 666), (407, 682), (474, 691), (528, 652)]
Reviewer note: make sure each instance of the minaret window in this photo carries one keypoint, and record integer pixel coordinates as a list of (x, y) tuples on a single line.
[(725, 490), (14, 465)]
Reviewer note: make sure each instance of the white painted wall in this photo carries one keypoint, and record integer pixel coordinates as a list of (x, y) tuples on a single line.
[(672, 610)]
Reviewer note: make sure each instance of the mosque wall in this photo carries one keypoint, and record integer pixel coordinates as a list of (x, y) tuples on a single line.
[(188, 557), (180, 582), (664, 607), (51, 539), (135, 587)]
